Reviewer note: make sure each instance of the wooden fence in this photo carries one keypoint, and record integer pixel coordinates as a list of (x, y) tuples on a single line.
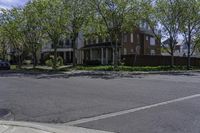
[(148, 60)]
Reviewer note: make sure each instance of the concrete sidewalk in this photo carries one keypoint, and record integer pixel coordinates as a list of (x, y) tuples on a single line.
[(25, 127)]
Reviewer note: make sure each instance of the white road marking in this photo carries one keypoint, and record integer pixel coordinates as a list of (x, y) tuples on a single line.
[(105, 116)]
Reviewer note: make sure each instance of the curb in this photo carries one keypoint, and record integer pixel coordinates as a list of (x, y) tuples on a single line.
[(92, 73), (7, 116), (52, 128)]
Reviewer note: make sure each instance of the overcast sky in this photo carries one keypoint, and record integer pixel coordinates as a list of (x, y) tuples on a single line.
[(12, 3)]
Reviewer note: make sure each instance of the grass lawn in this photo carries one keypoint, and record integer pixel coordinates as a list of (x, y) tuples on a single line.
[(134, 68), (39, 69)]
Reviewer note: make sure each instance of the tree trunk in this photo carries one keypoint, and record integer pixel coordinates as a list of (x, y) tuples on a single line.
[(4, 52), (19, 62), (188, 57), (34, 59), (116, 54), (172, 43), (135, 59), (115, 57), (189, 47), (34, 56), (172, 60), (55, 57), (74, 51)]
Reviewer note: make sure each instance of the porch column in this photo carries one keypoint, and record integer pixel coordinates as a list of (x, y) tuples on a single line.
[(64, 54), (106, 55), (91, 56), (83, 56), (113, 56), (119, 56), (70, 56), (102, 56)]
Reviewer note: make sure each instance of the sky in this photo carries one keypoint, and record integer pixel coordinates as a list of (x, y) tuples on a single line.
[(12, 3)]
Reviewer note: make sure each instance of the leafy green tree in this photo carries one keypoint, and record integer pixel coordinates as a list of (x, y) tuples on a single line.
[(32, 31), (3, 44), (115, 17), (190, 24), (166, 14), (197, 44), (78, 13), (10, 20), (53, 20)]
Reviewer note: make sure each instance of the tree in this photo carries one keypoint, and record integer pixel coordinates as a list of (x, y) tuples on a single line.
[(10, 20), (53, 20), (77, 13), (115, 17), (166, 14), (197, 44), (3, 44), (31, 29), (190, 24)]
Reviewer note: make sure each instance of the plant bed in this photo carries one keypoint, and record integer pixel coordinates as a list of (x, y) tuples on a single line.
[(134, 68)]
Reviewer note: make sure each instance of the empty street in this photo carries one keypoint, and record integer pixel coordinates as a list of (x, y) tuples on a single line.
[(151, 103)]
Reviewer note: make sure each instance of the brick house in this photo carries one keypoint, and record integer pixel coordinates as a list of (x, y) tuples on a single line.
[(141, 41)]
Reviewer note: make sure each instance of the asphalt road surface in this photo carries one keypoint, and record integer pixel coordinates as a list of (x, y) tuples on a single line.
[(137, 104)]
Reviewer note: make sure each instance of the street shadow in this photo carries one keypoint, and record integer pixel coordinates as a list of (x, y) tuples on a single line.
[(106, 75), (189, 74), (26, 74), (94, 75)]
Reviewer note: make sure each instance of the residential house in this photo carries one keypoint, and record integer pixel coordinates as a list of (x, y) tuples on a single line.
[(64, 50), (141, 41), (181, 48), (100, 50)]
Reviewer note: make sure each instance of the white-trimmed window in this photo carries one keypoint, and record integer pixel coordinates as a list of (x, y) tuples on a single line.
[(153, 52), (132, 50), (125, 38), (97, 40), (104, 39), (147, 38), (149, 28), (152, 41), (131, 37), (145, 25), (125, 51), (138, 38), (92, 41)]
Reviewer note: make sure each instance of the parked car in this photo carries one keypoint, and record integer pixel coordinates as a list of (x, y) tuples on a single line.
[(4, 65)]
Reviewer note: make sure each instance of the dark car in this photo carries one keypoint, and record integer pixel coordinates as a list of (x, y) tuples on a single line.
[(4, 65)]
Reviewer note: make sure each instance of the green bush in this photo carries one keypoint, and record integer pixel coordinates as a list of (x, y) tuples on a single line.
[(60, 61), (49, 62), (27, 62), (132, 68)]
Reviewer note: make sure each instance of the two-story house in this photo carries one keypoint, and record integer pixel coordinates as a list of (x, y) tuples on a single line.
[(64, 50), (140, 41)]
